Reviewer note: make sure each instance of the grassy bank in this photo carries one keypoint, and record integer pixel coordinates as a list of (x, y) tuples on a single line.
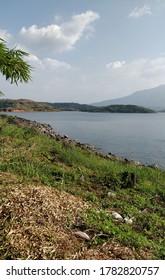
[(50, 189)]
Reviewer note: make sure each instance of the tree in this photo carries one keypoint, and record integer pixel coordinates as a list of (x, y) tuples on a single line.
[(13, 66)]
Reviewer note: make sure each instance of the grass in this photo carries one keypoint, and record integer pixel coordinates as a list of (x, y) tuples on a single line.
[(31, 161)]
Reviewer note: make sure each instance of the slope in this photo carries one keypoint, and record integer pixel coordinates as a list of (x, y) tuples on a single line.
[(51, 188)]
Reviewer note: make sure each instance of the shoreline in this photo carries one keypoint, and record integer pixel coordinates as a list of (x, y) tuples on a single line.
[(47, 130), (27, 111)]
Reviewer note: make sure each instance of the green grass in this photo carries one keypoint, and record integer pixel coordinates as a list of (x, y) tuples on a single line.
[(36, 158)]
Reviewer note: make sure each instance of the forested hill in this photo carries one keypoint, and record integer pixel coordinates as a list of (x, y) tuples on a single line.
[(25, 105), (71, 106)]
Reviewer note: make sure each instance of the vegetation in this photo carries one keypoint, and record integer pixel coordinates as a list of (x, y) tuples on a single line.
[(51, 188), (126, 109), (104, 109), (12, 64), (66, 106)]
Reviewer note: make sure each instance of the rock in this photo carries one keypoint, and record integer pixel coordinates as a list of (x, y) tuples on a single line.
[(154, 166), (111, 194), (82, 235), (116, 215), (137, 163), (128, 220)]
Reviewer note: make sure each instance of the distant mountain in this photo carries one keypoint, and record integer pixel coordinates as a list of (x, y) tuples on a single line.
[(153, 98)]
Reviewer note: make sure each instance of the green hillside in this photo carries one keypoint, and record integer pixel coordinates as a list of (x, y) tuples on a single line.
[(52, 190)]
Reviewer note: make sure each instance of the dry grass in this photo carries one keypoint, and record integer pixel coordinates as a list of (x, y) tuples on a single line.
[(37, 223), (38, 218)]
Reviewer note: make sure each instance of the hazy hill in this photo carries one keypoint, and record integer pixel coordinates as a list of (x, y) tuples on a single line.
[(151, 98)]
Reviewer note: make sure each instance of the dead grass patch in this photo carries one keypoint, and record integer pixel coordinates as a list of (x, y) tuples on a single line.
[(37, 224), (112, 250)]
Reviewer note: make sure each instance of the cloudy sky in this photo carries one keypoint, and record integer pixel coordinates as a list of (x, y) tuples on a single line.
[(86, 50)]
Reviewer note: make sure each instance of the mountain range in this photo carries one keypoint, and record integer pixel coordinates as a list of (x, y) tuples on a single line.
[(153, 98), (25, 105)]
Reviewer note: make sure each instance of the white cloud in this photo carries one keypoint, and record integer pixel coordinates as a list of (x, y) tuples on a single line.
[(115, 64), (54, 64), (138, 12), (136, 75), (48, 64), (58, 81), (57, 38), (5, 35)]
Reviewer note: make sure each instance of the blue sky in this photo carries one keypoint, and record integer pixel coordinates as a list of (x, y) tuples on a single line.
[(88, 50)]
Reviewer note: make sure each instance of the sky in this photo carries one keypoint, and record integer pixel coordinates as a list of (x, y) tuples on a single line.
[(85, 51)]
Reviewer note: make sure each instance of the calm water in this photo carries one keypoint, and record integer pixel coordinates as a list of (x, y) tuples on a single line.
[(139, 137)]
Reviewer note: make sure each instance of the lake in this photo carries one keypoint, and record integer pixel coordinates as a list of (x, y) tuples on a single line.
[(139, 137)]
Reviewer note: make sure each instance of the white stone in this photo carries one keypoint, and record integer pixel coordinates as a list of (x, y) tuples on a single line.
[(128, 220), (116, 215), (111, 194), (82, 235)]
